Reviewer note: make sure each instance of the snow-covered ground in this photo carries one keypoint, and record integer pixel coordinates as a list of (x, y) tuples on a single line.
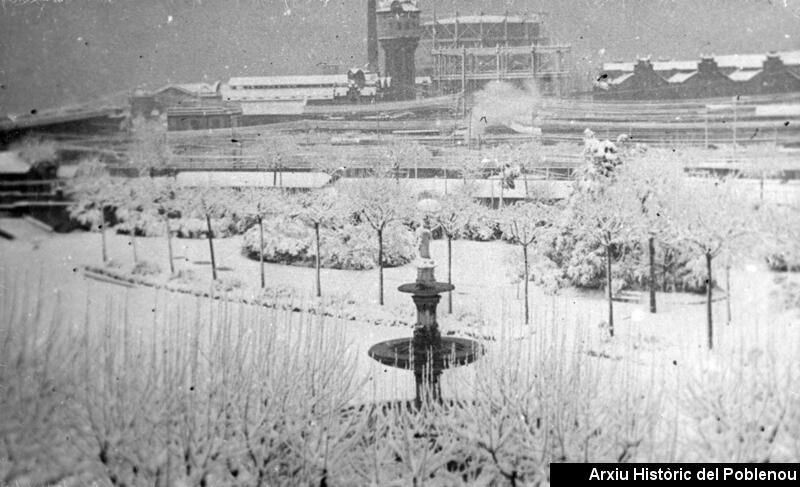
[(484, 288)]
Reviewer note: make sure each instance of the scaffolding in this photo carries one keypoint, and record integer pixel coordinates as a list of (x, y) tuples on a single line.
[(468, 52)]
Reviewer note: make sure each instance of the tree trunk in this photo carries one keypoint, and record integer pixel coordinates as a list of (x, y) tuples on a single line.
[(169, 246), (709, 319), (525, 178), (652, 250), (609, 292), (450, 273), (728, 292), (319, 283), (211, 248), (133, 247), (103, 239), (380, 267), (525, 259), (261, 251), (502, 181)]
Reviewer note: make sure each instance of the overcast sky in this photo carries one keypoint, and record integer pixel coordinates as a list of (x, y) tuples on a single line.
[(53, 52)]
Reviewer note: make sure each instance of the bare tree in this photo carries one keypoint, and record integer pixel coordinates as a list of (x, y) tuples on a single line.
[(522, 223)]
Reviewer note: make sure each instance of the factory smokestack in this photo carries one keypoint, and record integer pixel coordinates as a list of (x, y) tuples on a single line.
[(372, 37)]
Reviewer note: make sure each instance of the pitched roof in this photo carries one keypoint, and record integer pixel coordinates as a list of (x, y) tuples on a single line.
[(619, 79), (743, 75), (675, 65), (740, 61), (680, 77), (618, 66)]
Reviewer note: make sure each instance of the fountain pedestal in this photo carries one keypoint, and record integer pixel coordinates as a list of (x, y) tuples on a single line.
[(427, 353)]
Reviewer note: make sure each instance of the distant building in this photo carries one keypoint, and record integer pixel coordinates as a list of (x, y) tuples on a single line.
[(710, 77), (153, 104), (398, 26), (288, 95), (641, 82), (202, 118), (468, 51)]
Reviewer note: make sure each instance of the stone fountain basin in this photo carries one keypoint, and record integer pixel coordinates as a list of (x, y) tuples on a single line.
[(450, 352)]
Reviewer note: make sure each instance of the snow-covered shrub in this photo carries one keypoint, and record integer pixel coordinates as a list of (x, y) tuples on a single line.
[(484, 226), (348, 246), (227, 284), (197, 227), (780, 263), (143, 224), (571, 261), (146, 268)]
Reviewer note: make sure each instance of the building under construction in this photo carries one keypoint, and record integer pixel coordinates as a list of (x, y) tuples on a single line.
[(469, 51), (462, 53)]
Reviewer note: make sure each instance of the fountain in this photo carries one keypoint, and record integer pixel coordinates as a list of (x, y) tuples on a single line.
[(427, 353)]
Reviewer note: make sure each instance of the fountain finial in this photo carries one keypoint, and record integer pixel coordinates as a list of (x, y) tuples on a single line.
[(424, 242)]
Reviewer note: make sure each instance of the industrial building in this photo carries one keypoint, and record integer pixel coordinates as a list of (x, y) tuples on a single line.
[(469, 51), (151, 104), (708, 77)]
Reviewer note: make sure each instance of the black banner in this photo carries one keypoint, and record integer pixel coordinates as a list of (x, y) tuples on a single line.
[(570, 473)]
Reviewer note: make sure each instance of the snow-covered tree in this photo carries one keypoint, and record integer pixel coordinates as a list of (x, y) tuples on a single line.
[(208, 202), (401, 154), (609, 218), (318, 208), (93, 190), (454, 212), (259, 203), (379, 202), (714, 221), (522, 223), (274, 153), (655, 178), (149, 151)]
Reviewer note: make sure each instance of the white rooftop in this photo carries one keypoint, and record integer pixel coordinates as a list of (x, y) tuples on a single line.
[(12, 163), (743, 75), (485, 19), (251, 179), (741, 61), (313, 79), (620, 79), (680, 77)]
